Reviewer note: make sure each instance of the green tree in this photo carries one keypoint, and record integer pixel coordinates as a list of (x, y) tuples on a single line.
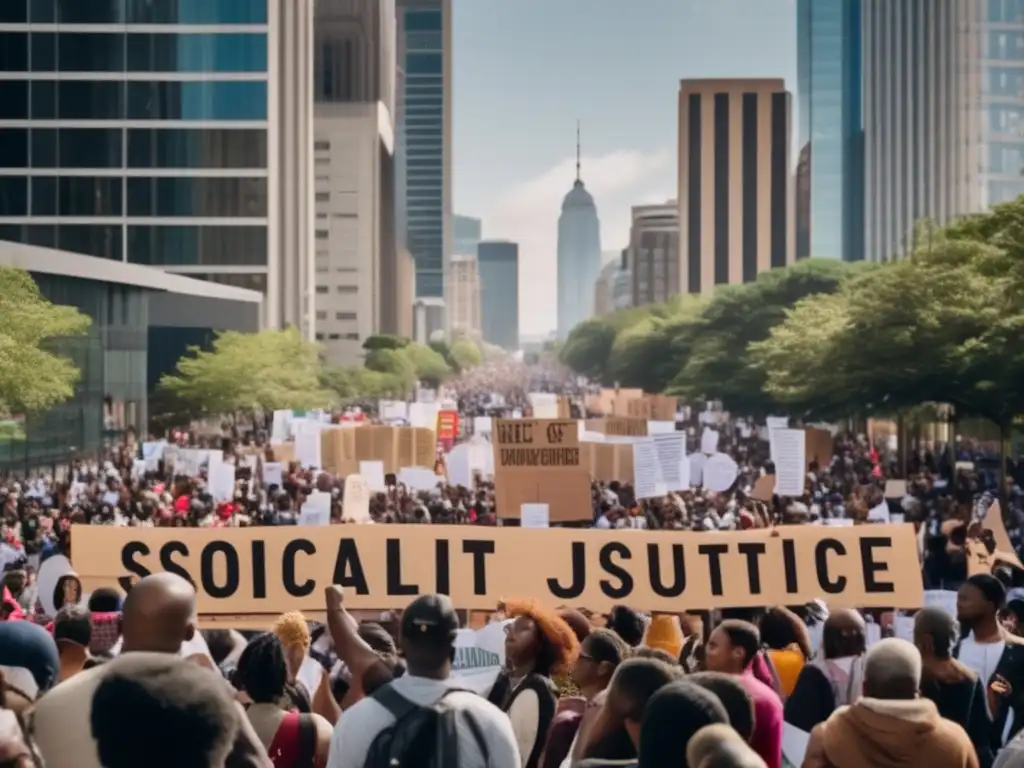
[(269, 370), (357, 382), (431, 368), (930, 328), (588, 347), (464, 354), (393, 362), (717, 364), (34, 375), (384, 341)]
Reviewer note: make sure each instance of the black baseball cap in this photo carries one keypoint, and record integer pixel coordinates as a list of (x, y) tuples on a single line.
[(431, 618)]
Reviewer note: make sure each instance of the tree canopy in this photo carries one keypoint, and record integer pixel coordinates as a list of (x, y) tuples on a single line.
[(34, 375), (269, 370)]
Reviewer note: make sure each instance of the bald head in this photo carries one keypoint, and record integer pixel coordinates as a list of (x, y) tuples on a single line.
[(159, 614), (892, 670), (719, 746)]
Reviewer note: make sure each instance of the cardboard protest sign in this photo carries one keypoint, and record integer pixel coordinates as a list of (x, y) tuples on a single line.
[(539, 461), (265, 571), (342, 449), (618, 426)]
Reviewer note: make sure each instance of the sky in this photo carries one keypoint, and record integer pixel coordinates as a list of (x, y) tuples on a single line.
[(524, 71)]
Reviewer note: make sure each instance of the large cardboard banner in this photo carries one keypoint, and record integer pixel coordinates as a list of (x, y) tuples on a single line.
[(539, 461), (269, 570)]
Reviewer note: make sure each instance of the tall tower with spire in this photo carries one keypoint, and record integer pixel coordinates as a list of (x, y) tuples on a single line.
[(579, 252)]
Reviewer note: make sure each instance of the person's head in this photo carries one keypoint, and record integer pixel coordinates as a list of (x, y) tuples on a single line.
[(162, 712), (28, 661), (627, 624), (892, 670), (979, 598), (105, 600), (777, 629), (646, 652), (1012, 617), (293, 632), (935, 633), (428, 630), (159, 614), (577, 622), (673, 715), (843, 635), (600, 654), (72, 630), (538, 639), (633, 683), (719, 746), (262, 670), (379, 640), (734, 697), (732, 646), (67, 591)]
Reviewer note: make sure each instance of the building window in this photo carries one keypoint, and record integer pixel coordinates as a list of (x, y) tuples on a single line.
[(321, 289), (323, 197), (320, 315), (322, 161), (334, 336), (351, 336), (319, 337), (322, 146), (344, 315), (321, 234), (348, 289)]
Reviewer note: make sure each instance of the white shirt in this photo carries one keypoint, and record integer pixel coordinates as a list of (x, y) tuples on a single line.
[(983, 659), (360, 725)]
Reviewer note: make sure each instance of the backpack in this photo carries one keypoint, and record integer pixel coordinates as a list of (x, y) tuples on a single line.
[(424, 737)]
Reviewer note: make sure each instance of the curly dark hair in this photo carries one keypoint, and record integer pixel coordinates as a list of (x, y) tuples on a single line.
[(558, 644)]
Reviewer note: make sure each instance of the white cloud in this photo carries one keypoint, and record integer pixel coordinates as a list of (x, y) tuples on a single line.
[(527, 213)]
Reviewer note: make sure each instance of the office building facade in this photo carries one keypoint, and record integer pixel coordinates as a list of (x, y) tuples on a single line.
[(830, 181), (654, 253), (1002, 101), (425, 142), (498, 270), (466, 234), (923, 129), (579, 255), (173, 133), (357, 254), (736, 216), (462, 295)]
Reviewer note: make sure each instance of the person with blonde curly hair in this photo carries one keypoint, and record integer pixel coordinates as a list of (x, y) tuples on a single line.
[(539, 644), (293, 632)]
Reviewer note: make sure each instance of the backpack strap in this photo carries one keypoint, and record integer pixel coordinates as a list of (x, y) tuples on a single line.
[(478, 735), (394, 702), (308, 738)]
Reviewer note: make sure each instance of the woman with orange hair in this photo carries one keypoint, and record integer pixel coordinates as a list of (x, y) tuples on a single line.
[(538, 645)]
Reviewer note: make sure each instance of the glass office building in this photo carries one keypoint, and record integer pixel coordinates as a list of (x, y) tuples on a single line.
[(1002, 98), (498, 270), (424, 149), (148, 131), (830, 174)]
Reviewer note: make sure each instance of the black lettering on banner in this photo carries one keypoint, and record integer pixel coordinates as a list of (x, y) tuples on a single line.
[(442, 568), (604, 557), (871, 566), (293, 548), (678, 571), (821, 550), (259, 570), (556, 432), (128, 562), (789, 564), (579, 574), (540, 457), (348, 568), (714, 553), (175, 548), (753, 550), (516, 433), (232, 571), (393, 566), (479, 549)]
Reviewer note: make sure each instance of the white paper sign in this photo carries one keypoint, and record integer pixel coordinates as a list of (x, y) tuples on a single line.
[(789, 452), (273, 474), (482, 425), (720, 472), (696, 462), (373, 473), (222, 481), (418, 478), (316, 509), (709, 441), (880, 513), (671, 449), (355, 505), (647, 482), (479, 656), (534, 516)]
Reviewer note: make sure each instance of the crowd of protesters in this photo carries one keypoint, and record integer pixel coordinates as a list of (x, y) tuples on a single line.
[(120, 680)]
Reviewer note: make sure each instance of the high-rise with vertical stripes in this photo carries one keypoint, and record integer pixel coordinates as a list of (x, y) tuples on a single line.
[(735, 185)]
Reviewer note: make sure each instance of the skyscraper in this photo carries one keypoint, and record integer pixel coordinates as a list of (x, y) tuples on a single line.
[(466, 234), (498, 270), (170, 133), (654, 252), (462, 295), (1002, 101), (923, 123), (735, 184), (424, 146), (830, 175), (579, 254)]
